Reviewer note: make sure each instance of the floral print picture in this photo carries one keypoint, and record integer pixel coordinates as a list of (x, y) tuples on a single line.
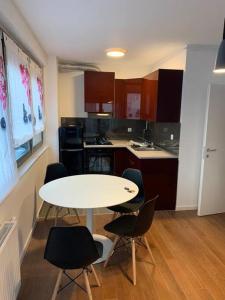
[(3, 92), (40, 90), (25, 75), (3, 89)]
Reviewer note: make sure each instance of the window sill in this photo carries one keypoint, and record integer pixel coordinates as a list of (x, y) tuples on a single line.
[(29, 163)]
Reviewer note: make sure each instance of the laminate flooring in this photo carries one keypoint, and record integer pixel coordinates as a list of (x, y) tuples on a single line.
[(190, 263)]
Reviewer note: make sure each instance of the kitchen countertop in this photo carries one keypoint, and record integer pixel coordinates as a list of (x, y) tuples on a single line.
[(139, 154)]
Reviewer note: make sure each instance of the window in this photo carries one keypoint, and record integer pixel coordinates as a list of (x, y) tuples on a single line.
[(26, 150), (37, 140), (22, 151), (26, 103)]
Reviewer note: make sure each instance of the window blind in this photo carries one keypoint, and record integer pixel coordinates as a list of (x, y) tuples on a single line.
[(19, 92), (8, 170), (37, 97)]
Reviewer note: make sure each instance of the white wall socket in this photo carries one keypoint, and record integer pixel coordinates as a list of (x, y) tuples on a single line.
[(129, 129)]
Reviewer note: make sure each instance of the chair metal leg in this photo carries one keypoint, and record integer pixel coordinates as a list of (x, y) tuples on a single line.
[(47, 213), (111, 251), (95, 275), (149, 249), (133, 261), (56, 288), (76, 213), (87, 285)]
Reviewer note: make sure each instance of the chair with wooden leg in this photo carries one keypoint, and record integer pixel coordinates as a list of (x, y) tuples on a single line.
[(55, 171), (133, 228), (70, 248)]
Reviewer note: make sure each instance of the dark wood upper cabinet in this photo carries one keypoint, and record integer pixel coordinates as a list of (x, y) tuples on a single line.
[(128, 98), (162, 95), (119, 104), (156, 97), (149, 99), (99, 91)]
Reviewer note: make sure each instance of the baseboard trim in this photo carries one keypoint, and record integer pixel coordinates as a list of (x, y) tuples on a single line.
[(191, 207), (30, 236)]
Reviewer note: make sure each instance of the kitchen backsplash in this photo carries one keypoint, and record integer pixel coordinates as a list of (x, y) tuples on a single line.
[(159, 133), (112, 128), (165, 133)]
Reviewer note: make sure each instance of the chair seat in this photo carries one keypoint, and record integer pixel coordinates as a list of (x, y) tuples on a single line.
[(122, 226), (127, 207), (71, 247)]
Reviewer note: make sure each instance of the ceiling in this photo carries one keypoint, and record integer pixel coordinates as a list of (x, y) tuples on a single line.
[(80, 30)]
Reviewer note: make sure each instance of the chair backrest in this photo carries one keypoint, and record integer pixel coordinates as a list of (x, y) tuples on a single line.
[(70, 247), (55, 171), (145, 217), (135, 175)]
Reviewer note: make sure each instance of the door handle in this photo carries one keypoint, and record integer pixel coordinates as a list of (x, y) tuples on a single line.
[(210, 150)]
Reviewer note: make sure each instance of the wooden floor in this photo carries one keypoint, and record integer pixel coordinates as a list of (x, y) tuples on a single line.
[(190, 263)]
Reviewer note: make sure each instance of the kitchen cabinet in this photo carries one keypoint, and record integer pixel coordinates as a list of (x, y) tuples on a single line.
[(99, 91), (163, 95), (132, 99), (128, 98), (159, 176), (120, 161), (156, 97)]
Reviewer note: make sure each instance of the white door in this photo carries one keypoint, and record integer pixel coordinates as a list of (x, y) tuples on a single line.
[(212, 184)]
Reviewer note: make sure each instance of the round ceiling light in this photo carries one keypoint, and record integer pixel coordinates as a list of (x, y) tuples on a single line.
[(115, 52)]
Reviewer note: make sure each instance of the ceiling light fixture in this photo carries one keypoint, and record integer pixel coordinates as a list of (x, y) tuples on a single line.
[(115, 52), (220, 60)]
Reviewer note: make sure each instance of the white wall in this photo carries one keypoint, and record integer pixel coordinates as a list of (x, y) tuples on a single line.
[(125, 71), (71, 94), (51, 109), (197, 77), (23, 202), (14, 23), (175, 61)]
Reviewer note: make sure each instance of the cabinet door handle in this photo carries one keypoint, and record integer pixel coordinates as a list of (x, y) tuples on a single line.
[(210, 150)]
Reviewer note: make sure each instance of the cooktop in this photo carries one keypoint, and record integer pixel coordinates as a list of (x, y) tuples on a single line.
[(98, 143)]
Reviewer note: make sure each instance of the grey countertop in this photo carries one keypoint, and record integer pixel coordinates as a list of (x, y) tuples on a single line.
[(139, 154)]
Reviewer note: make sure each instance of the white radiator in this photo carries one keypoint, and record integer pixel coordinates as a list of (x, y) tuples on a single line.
[(10, 279)]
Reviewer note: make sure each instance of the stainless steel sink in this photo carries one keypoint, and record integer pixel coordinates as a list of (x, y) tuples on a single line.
[(146, 148)]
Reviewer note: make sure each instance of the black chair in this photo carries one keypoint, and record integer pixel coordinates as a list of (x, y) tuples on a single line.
[(55, 171), (133, 228), (70, 248), (134, 204)]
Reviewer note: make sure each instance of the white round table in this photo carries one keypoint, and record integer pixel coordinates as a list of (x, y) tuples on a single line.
[(89, 191)]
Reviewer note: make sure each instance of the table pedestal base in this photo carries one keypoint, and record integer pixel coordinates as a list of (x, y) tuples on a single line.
[(107, 244)]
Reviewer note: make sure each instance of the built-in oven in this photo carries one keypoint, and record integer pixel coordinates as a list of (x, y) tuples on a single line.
[(99, 160), (71, 151)]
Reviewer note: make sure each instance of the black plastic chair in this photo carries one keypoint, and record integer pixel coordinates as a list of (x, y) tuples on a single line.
[(133, 228), (55, 171), (134, 204), (70, 248)]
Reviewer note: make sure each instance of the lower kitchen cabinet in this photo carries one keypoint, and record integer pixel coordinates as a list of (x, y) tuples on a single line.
[(120, 161), (159, 176)]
